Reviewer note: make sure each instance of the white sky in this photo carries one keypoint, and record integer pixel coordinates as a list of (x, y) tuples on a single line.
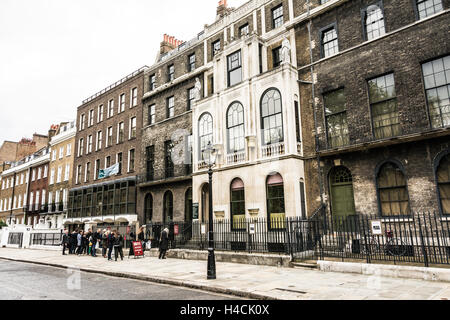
[(56, 53)]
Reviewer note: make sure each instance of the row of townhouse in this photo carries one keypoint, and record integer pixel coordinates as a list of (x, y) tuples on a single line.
[(341, 104), (34, 189)]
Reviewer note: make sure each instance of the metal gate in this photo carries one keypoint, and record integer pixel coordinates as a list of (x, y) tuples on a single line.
[(15, 238)]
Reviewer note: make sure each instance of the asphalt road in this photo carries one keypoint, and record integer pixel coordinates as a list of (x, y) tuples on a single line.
[(23, 281)]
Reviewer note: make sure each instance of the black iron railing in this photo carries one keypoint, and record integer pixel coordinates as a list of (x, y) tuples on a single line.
[(46, 239), (177, 171), (420, 238)]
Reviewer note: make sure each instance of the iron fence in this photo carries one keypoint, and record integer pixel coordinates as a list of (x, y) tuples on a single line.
[(419, 238), (46, 239), (15, 238)]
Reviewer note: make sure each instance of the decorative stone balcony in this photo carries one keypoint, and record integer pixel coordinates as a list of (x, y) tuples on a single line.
[(237, 157), (273, 150)]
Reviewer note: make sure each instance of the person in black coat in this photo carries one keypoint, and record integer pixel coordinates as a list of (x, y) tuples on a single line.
[(73, 242), (164, 244), (65, 242), (118, 245), (110, 240)]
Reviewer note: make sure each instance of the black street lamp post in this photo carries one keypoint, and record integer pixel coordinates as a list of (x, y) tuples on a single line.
[(209, 157)]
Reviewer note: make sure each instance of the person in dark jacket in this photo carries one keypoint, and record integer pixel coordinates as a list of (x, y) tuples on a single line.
[(164, 243), (118, 245), (110, 240), (73, 242), (65, 242), (87, 241), (96, 236)]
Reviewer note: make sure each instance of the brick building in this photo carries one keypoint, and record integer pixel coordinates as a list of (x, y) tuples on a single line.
[(164, 186), (60, 173), (24, 190), (15, 151), (381, 83), (109, 126)]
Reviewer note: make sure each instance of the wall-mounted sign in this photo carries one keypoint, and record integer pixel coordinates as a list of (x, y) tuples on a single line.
[(203, 229), (195, 211), (251, 228), (376, 227)]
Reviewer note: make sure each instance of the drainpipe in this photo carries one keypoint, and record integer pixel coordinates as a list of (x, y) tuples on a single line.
[(313, 94), (12, 198)]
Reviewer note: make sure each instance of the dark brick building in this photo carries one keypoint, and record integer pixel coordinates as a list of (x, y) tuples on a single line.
[(165, 185), (381, 74), (109, 126)]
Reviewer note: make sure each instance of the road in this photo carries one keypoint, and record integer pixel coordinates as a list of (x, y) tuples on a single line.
[(23, 281)]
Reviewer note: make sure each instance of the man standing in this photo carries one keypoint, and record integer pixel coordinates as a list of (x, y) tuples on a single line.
[(118, 244), (65, 241), (95, 238), (110, 245), (164, 244)]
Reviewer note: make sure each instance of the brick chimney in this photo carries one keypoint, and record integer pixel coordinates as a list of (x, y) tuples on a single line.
[(169, 43), (222, 9)]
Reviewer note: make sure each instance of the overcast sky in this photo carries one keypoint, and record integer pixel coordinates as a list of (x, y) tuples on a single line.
[(56, 53)]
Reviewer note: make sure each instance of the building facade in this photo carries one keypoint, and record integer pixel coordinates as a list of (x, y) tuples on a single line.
[(60, 177), (109, 126), (165, 183), (250, 115), (24, 190), (379, 106)]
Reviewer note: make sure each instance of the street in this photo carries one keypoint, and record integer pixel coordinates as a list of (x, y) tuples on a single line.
[(23, 281)]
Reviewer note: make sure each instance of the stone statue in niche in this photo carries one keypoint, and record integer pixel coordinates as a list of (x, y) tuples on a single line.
[(286, 51), (197, 90)]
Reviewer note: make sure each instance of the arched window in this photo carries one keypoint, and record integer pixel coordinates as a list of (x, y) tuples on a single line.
[(275, 202), (271, 117), (205, 132), (374, 22), (392, 191), (237, 205), (235, 128), (443, 179), (168, 207), (148, 208)]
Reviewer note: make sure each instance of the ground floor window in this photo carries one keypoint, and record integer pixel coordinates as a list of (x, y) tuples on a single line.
[(106, 200), (443, 178), (148, 208), (168, 207), (276, 213), (392, 191), (237, 205)]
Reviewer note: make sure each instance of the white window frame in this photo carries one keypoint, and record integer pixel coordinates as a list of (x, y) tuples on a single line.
[(69, 150), (67, 172), (131, 128), (100, 113), (98, 143), (134, 97)]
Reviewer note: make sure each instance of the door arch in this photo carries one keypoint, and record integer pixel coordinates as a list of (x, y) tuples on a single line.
[(341, 192)]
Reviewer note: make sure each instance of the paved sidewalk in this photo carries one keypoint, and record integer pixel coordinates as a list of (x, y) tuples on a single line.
[(254, 282)]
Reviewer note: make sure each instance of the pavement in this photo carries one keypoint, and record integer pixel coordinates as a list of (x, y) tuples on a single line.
[(248, 281)]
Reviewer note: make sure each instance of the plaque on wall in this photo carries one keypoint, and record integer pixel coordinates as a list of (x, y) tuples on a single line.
[(195, 211)]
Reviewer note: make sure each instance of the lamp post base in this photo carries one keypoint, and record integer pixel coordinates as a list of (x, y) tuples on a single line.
[(211, 264)]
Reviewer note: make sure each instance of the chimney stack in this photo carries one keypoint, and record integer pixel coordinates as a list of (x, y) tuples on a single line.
[(169, 43), (222, 9)]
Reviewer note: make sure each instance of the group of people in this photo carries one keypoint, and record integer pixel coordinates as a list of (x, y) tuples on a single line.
[(80, 242)]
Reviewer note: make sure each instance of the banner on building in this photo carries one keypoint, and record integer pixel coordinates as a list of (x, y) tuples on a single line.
[(108, 172)]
